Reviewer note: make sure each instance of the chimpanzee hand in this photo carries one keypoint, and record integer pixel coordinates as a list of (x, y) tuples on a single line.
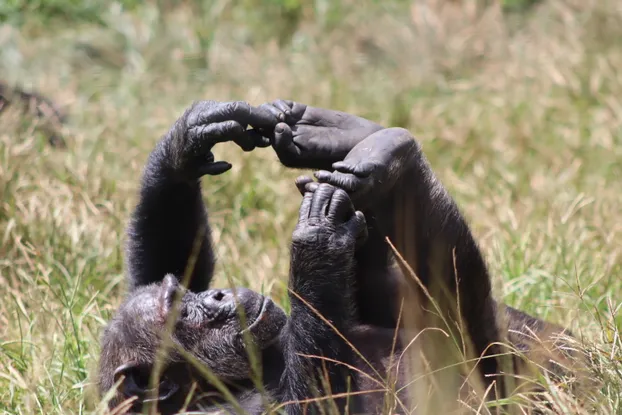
[(371, 169), (309, 137), (327, 218), (188, 145)]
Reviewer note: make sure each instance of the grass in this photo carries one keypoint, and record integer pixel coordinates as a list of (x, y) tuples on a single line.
[(521, 118)]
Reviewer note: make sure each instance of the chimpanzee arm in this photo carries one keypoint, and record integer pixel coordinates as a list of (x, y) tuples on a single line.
[(321, 280), (389, 178), (169, 224)]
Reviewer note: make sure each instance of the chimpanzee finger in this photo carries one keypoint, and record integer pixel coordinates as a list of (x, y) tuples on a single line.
[(362, 169), (284, 107), (301, 183), (260, 138), (245, 141), (341, 207), (298, 111), (210, 134), (305, 207), (321, 201), (284, 140), (250, 139), (213, 169), (274, 110), (257, 117), (291, 111), (347, 182), (239, 111), (358, 226), (311, 187)]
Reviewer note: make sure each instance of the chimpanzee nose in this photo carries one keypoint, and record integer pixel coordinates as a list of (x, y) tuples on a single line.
[(221, 300), (217, 295)]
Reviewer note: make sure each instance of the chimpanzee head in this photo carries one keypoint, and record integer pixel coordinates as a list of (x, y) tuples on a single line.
[(209, 325)]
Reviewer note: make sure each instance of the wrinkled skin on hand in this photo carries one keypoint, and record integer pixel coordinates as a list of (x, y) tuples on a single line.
[(327, 218), (188, 147), (310, 137), (371, 169)]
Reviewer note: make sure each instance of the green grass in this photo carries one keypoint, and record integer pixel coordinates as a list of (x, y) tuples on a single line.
[(521, 120)]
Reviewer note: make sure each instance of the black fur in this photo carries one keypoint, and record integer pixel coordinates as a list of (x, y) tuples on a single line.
[(344, 280)]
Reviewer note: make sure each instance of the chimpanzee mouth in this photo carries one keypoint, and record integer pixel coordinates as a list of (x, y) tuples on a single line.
[(264, 311)]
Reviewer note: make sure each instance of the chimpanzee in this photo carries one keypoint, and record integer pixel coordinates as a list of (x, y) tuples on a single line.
[(374, 185)]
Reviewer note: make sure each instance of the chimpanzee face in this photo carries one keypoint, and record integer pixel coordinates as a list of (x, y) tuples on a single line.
[(211, 325)]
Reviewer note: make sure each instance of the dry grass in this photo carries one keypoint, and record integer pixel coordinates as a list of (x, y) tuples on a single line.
[(522, 122)]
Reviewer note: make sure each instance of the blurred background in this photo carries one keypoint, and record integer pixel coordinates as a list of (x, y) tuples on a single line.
[(518, 105)]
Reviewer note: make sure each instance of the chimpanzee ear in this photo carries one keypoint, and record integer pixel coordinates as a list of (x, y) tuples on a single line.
[(136, 383), (168, 290)]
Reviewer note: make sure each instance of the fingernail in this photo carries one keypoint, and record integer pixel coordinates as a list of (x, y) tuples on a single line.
[(279, 129)]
